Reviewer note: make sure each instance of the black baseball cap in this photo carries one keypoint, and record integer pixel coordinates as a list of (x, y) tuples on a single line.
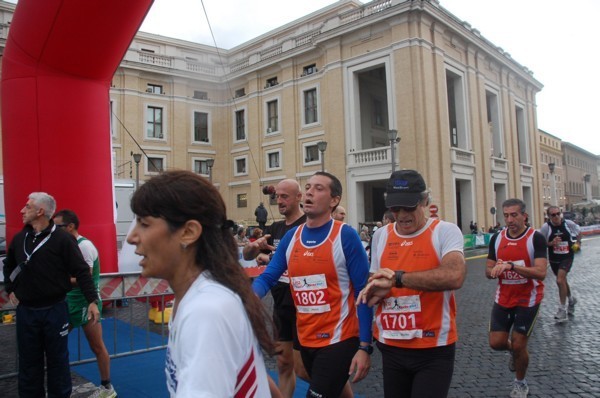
[(404, 188)]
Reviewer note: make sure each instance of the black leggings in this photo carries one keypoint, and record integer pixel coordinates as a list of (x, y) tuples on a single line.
[(417, 373)]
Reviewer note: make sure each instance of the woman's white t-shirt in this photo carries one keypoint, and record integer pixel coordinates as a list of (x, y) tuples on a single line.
[(212, 350)]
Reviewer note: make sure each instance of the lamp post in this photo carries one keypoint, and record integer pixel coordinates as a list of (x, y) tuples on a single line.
[(137, 158), (210, 163), (554, 199), (393, 138), (322, 145)]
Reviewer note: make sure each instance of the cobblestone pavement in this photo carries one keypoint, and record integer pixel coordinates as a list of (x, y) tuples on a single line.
[(564, 358)]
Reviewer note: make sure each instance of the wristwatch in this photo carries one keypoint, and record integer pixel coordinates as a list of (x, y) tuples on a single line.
[(512, 265), (398, 278), (366, 348)]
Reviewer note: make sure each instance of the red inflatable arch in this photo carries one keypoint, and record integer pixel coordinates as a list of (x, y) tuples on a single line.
[(57, 66)]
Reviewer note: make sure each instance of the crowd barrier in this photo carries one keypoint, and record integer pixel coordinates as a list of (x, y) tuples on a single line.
[(143, 304)]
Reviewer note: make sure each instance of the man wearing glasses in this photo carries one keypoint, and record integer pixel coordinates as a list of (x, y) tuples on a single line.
[(417, 262), (564, 237), (37, 270)]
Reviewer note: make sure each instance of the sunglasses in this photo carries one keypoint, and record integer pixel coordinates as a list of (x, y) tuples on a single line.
[(554, 214), (396, 209), (62, 225)]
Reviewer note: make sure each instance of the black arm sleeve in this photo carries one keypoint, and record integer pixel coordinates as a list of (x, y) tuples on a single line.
[(492, 247), (539, 245)]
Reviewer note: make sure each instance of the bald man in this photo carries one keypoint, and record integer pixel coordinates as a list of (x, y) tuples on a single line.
[(289, 196), (339, 214)]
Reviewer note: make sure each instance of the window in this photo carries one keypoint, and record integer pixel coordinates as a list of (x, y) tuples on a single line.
[(274, 160), (154, 89), (154, 122), (310, 106), (271, 82), (201, 166), (456, 109), (311, 153), (522, 136), (155, 164), (272, 116), (242, 200), (201, 127), (309, 69), (201, 95), (240, 125), (378, 113), (240, 92), (239, 166)]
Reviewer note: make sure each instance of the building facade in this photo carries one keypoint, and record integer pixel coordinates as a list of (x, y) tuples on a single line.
[(581, 176), (348, 74), (552, 170)]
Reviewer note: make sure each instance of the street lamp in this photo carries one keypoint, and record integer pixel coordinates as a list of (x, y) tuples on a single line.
[(554, 199), (137, 157), (322, 146), (210, 163), (393, 138)]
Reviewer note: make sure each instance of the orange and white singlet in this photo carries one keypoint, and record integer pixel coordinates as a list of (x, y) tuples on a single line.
[(513, 289), (410, 318), (321, 290)]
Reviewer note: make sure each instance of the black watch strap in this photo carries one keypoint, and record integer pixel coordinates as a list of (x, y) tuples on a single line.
[(398, 278), (366, 348)]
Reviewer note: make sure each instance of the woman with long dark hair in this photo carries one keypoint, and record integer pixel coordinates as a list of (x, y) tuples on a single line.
[(218, 324)]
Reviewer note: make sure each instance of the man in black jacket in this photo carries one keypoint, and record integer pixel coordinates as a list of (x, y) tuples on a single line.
[(37, 270), (261, 216)]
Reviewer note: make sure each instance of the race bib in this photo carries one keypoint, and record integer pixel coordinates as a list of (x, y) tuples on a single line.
[(512, 278), (401, 318), (561, 248), (310, 294)]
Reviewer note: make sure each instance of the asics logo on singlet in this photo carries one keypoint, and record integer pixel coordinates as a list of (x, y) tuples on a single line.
[(308, 253), (406, 243), (311, 242)]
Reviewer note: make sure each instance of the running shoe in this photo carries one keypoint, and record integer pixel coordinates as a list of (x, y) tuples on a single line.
[(520, 390), (104, 392), (561, 316), (572, 302), (511, 361)]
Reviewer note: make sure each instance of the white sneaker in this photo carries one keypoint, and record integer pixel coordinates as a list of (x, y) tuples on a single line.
[(571, 307), (520, 390), (104, 392), (561, 316)]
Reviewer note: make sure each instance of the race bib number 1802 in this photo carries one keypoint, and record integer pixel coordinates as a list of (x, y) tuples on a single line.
[(310, 294)]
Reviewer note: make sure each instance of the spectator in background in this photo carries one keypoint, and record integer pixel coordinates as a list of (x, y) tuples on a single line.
[(240, 237), (261, 216), (365, 238), (388, 217), (339, 214), (256, 233)]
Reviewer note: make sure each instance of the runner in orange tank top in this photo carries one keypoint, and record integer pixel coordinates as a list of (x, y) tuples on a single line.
[(416, 263), (517, 258), (327, 266)]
